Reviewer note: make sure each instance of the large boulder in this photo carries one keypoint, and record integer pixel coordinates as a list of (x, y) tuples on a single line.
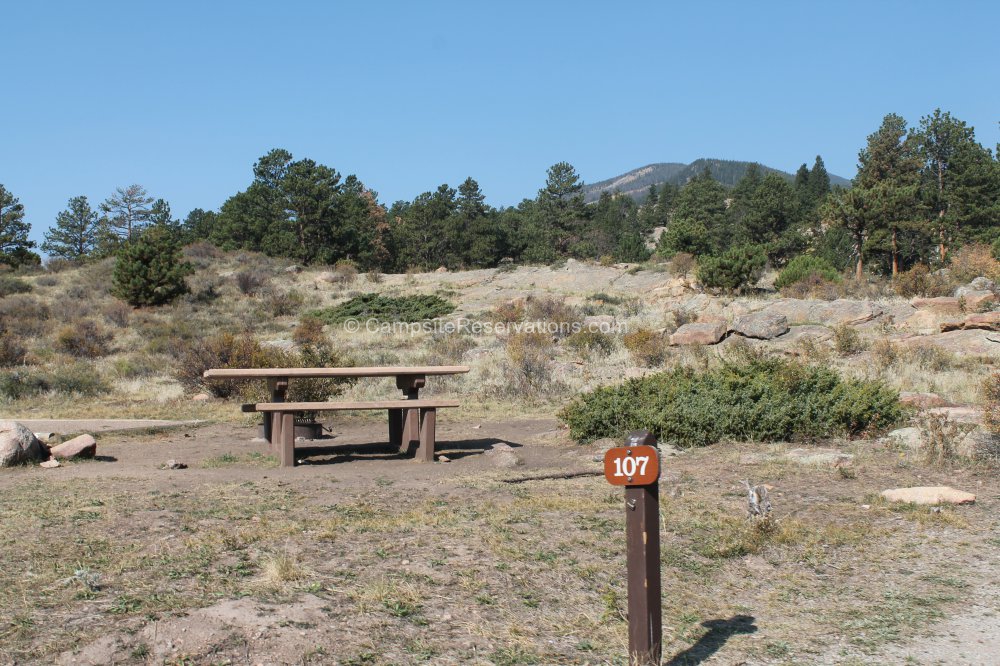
[(705, 333), (976, 301), (843, 312), (761, 325), (19, 445), (83, 446)]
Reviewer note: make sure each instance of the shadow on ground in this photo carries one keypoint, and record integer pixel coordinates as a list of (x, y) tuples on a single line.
[(309, 453), (719, 631)]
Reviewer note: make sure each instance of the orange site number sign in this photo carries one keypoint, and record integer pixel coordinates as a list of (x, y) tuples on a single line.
[(632, 465)]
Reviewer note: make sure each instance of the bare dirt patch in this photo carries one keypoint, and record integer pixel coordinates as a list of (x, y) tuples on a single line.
[(360, 557)]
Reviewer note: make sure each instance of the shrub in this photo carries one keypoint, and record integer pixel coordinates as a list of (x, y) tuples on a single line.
[(815, 286), (346, 271), (591, 341), (117, 314), (972, 261), (919, 281), (26, 314), (647, 348), (805, 266), (250, 281), (525, 372), (683, 263), (386, 308), (846, 340), (283, 303), (374, 276), (83, 339), (991, 403), (12, 285), (12, 349), (22, 384), (738, 268), (746, 397), (46, 280), (244, 351), (448, 348), (309, 332), (683, 235), (79, 378), (509, 312), (559, 318), (995, 249), (150, 269), (201, 250)]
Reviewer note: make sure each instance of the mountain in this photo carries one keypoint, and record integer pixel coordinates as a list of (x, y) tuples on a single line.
[(636, 183)]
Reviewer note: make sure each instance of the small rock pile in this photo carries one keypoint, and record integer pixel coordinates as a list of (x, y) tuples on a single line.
[(18, 446)]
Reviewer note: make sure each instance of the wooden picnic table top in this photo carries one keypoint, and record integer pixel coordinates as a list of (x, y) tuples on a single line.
[(289, 373)]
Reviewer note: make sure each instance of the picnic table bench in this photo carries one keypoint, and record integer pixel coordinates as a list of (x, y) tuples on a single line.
[(411, 419)]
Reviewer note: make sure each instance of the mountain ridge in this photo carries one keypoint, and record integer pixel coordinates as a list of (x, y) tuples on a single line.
[(635, 183)]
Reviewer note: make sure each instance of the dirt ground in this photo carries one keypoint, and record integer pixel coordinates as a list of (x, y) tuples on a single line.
[(360, 556)]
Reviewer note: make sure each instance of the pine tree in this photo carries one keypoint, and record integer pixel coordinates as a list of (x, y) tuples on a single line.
[(75, 234), (819, 180), (150, 269), (126, 211), (15, 248)]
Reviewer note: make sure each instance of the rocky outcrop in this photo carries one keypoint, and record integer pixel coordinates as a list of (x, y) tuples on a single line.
[(19, 445), (987, 321), (761, 325), (842, 312), (705, 333), (968, 342), (942, 305)]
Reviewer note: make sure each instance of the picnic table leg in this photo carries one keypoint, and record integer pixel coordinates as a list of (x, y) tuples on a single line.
[(410, 385), (278, 388), (426, 451), (395, 427), (287, 441)]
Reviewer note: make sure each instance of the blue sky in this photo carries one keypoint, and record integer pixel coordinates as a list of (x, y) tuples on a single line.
[(182, 97)]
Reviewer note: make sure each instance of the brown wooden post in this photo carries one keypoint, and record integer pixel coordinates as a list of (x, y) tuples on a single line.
[(426, 451), (410, 385), (287, 441), (277, 387), (395, 427), (637, 467)]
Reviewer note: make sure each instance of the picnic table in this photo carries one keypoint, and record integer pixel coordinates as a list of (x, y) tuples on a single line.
[(410, 418)]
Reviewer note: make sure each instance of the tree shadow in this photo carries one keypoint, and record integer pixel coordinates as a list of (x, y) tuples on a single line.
[(308, 453), (719, 631)]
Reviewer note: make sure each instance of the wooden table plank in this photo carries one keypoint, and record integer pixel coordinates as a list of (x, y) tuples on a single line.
[(337, 406), (291, 373)]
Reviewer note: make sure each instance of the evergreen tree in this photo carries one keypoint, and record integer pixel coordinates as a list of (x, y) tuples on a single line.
[(853, 211), (770, 218), (560, 205), (819, 180), (802, 179), (15, 248), (150, 269), (126, 212), (702, 203), (198, 225), (889, 171), (75, 234)]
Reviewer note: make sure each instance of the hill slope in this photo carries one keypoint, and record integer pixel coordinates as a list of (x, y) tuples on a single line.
[(636, 183)]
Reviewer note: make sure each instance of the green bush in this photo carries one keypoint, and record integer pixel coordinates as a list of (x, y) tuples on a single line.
[(386, 308), (12, 285), (22, 384), (995, 249), (83, 339), (737, 269), (150, 269), (685, 236), (591, 341), (751, 397), (78, 379), (804, 267)]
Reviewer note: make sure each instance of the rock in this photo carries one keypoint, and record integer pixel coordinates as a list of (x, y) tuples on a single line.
[(979, 443), (443, 459), (843, 312), (707, 333), (83, 446), (976, 301), (200, 397), (819, 456), (502, 455), (45, 437), (958, 414), (173, 464), (983, 284), (49, 464), (922, 400), (762, 325), (987, 321), (19, 445), (946, 305), (908, 438), (441, 269), (967, 342), (294, 268), (929, 495)]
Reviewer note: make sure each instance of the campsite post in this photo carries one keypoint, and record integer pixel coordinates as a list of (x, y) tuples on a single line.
[(637, 467)]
